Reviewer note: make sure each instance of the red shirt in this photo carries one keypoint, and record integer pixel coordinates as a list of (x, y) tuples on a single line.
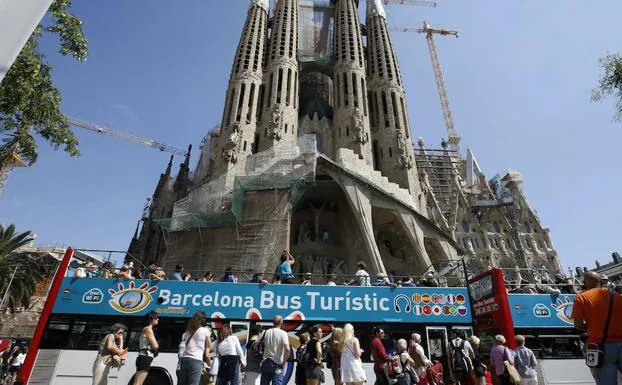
[(379, 353)]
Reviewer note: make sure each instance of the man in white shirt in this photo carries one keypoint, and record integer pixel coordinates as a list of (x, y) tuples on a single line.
[(462, 374), (361, 276), (275, 353)]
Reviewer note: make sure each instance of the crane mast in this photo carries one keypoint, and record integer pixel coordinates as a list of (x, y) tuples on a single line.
[(453, 138)]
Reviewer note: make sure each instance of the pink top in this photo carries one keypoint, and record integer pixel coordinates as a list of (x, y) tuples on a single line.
[(498, 354)]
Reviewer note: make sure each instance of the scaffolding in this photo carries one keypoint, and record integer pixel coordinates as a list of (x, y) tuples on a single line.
[(316, 29), (442, 168)]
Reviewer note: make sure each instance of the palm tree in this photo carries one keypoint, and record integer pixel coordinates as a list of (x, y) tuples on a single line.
[(28, 273)]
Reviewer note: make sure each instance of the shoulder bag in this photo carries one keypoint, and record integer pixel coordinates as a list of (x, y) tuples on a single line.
[(594, 354), (511, 371), (113, 360)]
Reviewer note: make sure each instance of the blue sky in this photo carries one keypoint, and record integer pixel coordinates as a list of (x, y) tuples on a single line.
[(519, 80)]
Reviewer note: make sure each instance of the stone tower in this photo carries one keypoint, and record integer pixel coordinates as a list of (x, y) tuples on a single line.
[(393, 151), (239, 121), (351, 118), (279, 121)]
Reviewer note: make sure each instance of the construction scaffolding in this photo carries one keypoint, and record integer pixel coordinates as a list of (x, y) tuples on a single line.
[(442, 168), (316, 29)]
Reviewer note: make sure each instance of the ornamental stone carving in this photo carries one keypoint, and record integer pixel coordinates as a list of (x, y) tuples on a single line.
[(360, 136), (232, 145), (405, 159), (276, 123)]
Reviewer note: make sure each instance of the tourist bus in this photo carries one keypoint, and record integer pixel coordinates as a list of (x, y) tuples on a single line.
[(544, 319), (79, 312)]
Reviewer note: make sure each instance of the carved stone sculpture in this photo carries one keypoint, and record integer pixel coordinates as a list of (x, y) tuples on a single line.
[(402, 149), (360, 136), (232, 145), (276, 123)]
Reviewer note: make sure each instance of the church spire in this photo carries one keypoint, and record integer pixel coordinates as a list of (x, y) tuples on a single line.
[(375, 8), (182, 182), (170, 166)]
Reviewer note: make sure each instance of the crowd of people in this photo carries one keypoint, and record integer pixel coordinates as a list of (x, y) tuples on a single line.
[(283, 274), (11, 361)]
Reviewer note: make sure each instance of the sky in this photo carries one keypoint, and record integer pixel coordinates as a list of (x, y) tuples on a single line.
[(519, 79)]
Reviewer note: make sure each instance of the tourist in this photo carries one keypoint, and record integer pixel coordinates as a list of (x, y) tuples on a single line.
[(177, 275), (253, 356), (479, 368), (314, 373), (590, 313), (110, 354), (525, 362), (361, 277), (231, 357), (331, 280), (417, 353), (392, 277), (285, 268), (208, 277), (107, 270), (407, 364), (147, 348), (307, 279), (335, 354), (408, 282), (17, 360), (229, 276), (352, 372), (90, 270), (428, 280), (124, 273), (301, 375), (196, 350), (258, 278), (461, 358), (275, 353), (498, 355), (380, 357), (160, 273), (382, 280)]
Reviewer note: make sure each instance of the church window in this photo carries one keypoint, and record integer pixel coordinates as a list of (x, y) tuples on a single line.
[(337, 91), (251, 103), (244, 147), (279, 87), (372, 106), (229, 108), (345, 89), (364, 96), (381, 153), (260, 99), (465, 226), (347, 131), (395, 113), (390, 153), (269, 94), (295, 89), (355, 91), (286, 128), (496, 227), (385, 109), (289, 86), (527, 228), (405, 117), (238, 115)]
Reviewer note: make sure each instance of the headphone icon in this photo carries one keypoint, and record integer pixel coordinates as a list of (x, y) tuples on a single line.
[(396, 303)]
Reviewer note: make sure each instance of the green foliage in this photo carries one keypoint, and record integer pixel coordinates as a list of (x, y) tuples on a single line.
[(29, 269), (29, 102), (610, 83)]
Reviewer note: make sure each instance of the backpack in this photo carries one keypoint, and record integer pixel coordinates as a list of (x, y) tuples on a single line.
[(257, 347), (460, 362), (394, 367), (307, 361)]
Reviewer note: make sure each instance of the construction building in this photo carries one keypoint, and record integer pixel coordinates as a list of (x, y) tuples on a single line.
[(315, 154)]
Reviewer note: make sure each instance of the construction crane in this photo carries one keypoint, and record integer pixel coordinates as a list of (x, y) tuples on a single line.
[(14, 159), (411, 2), (453, 138), (125, 136)]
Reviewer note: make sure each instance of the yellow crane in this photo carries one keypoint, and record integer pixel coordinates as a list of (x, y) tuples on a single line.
[(453, 138), (14, 159)]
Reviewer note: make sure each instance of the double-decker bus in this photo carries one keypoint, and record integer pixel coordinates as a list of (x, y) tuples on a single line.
[(80, 311), (544, 319)]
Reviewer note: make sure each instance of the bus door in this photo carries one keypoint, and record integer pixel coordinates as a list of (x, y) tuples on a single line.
[(438, 346)]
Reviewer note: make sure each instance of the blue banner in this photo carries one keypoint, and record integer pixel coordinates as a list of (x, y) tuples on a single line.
[(541, 310), (239, 301)]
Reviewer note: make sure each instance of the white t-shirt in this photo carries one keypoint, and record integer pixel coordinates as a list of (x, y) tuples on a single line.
[(195, 347), (467, 350), (362, 278), (19, 360), (276, 342), (331, 283), (230, 346)]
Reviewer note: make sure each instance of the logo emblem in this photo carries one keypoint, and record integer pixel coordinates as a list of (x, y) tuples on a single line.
[(563, 309), (541, 311), (132, 299), (93, 296)]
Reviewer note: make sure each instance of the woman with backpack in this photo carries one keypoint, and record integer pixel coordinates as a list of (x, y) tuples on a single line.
[(253, 356), (525, 362), (313, 364), (479, 368), (301, 376), (352, 372), (409, 377), (230, 356), (194, 356)]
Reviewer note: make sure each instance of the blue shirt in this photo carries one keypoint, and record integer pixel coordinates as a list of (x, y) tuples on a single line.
[(285, 269), (176, 276)]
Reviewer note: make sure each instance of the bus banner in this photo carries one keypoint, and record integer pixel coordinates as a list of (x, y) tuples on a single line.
[(542, 310), (262, 302)]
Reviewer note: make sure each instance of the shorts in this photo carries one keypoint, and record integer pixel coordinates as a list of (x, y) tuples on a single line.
[(315, 373), (14, 369), (143, 363)]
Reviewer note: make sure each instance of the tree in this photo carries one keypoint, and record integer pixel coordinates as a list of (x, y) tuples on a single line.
[(29, 270), (29, 102), (610, 83)]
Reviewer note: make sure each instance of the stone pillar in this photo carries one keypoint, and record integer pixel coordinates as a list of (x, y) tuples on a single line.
[(239, 121), (393, 152), (351, 118), (279, 121), (416, 237)]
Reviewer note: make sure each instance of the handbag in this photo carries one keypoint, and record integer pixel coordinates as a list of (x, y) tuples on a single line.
[(511, 371), (114, 360), (594, 354)]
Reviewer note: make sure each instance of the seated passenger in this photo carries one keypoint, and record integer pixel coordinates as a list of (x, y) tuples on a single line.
[(307, 279), (229, 277)]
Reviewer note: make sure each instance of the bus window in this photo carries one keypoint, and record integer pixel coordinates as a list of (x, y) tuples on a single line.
[(437, 346), (57, 333), (555, 347)]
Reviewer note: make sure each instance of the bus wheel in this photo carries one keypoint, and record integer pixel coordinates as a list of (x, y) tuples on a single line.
[(157, 376)]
